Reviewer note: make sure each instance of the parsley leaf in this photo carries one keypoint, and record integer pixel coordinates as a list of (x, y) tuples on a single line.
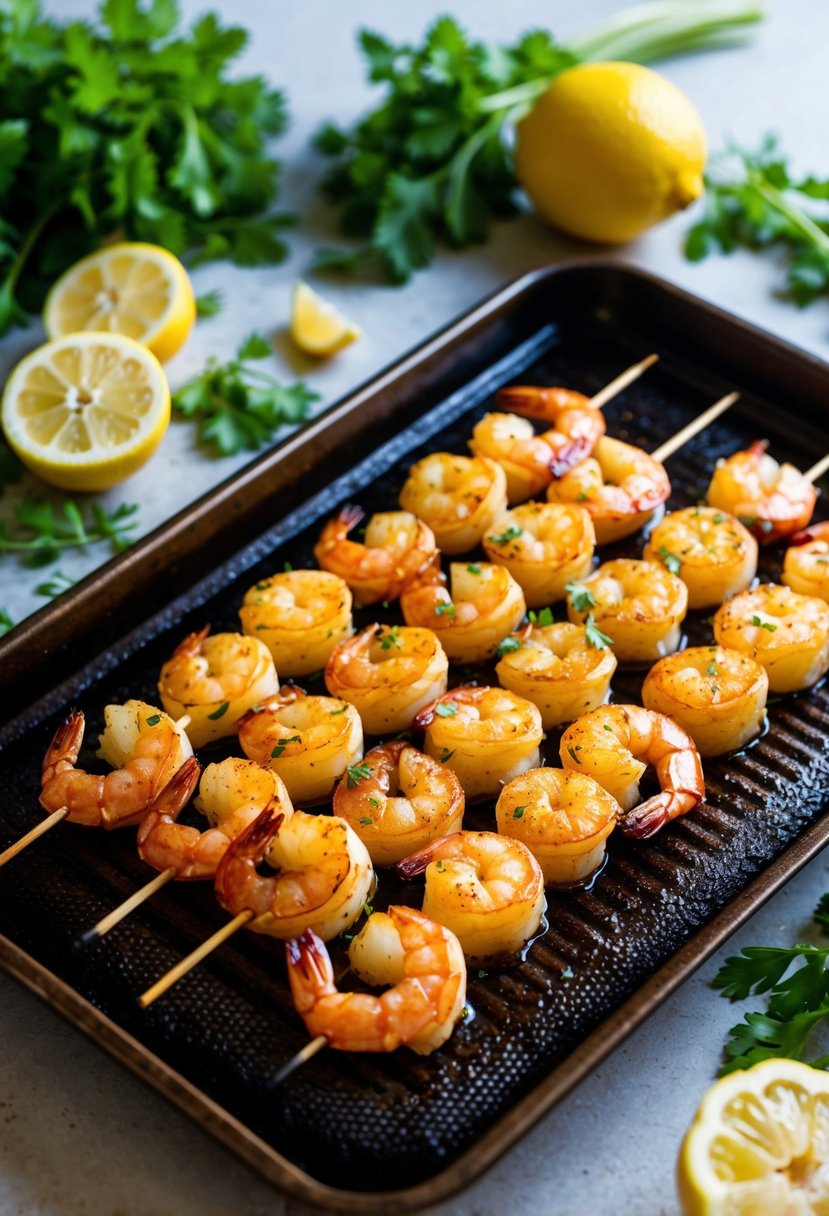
[(759, 623), (507, 645), (503, 538), (445, 709), (581, 597), (41, 531), (210, 304), (594, 636), (542, 619), (6, 623), (355, 773), (673, 564)]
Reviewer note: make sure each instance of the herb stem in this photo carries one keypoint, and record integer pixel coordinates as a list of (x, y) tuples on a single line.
[(654, 31), (810, 231)]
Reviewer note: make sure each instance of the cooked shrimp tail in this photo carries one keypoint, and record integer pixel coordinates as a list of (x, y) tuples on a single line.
[(683, 777), (309, 970), (173, 798), (65, 748), (414, 865)]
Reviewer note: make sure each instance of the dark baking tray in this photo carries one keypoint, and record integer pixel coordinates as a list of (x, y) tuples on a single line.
[(390, 1134)]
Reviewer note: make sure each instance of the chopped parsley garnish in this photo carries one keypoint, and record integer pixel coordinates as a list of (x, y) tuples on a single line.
[(445, 709), (374, 802), (508, 644), (280, 747), (713, 668), (445, 609), (572, 753), (333, 713), (154, 720), (761, 624), (368, 910), (719, 518), (473, 569), (220, 712), (439, 866), (447, 754), (518, 813), (482, 974), (594, 636), (581, 597), (391, 638), (357, 773), (673, 564), (366, 821), (503, 538), (542, 618)]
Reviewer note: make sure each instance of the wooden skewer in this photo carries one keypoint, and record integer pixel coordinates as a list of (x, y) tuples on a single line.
[(307, 1053), (187, 964), (622, 381), (699, 423), (134, 901), (817, 470), (37, 830)]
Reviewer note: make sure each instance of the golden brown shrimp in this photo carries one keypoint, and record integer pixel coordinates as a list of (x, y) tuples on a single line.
[(308, 741), (545, 546), (564, 819), (639, 606), (711, 551), (561, 668), (323, 879), (486, 888), (485, 735), (232, 795), (615, 744), (144, 746), (398, 800), (458, 497), (396, 547), (771, 499), (717, 695), (388, 674), (300, 615), (620, 486), (786, 633), (469, 621), (806, 564), (421, 961), (214, 680)]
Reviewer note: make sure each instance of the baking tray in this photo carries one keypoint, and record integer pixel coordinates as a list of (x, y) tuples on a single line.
[(390, 1134)]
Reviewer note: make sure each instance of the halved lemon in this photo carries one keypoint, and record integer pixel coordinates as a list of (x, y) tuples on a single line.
[(86, 411), (317, 327), (134, 289), (759, 1145)]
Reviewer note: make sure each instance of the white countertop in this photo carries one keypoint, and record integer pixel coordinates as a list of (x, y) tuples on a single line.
[(80, 1136)]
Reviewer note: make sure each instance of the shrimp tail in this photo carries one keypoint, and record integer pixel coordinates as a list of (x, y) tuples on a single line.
[(309, 970), (568, 455), (758, 448), (647, 818), (66, 745), (816, 532), (350, 515), (426, 716), (254, 841), (192, 644), (415, 864), (170, 801)]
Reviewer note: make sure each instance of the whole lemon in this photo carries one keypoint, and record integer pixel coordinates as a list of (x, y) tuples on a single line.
[(610, 149)]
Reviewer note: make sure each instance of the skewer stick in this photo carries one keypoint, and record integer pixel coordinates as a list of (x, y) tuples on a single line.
[(37, 830), (817, 470), (307, 1053), (699, 423), (187, 964), (134, 901), (622, 381)]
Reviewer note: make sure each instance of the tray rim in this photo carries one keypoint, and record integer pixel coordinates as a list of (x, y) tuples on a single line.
[(499, 1138)]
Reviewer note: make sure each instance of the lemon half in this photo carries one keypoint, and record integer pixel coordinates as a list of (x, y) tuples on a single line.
[(134, 289), (317, 327), (86, 411), (759, 1145)]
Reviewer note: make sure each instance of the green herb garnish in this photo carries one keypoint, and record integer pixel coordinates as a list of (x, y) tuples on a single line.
[(673, 564), (542, 618), (594, 636), (445, 610), (391, 638), (518, 813), (283, 743), (508, 645), (366, 821), (447, 754), (473, 569), (42, 532), (154, 720), (357, 773), (220, 712), (445, 709), (581, 597), (503, 538), (761, 624)]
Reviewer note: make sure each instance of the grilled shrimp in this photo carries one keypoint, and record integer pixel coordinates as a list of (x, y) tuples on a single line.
[(615, 744), (300, 615), (145, 748), (395, 549), (308, 741), (640, 605), (458, 497), (398, 800), (806, 564), (486, 736), (561, 668), (712, 552), (564, 819), (388, 674), (488, 889), (545, 546), (717, 695), (421, 961), (771, 499), (786, 633), (323, 878), (483, 604), (620, 487), (215, 680)]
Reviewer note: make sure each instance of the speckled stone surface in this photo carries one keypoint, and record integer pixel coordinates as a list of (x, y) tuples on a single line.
[(80, 1137)]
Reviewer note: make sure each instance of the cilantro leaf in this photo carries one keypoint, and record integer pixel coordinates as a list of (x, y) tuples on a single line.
[(6, 623), (39, 533)]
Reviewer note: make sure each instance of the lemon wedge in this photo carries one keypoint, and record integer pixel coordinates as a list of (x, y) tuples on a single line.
[(759, 1145), (317, 327), (134, 289), (86, 411)]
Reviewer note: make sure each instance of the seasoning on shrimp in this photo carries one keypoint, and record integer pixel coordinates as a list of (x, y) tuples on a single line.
[(388, 673), (144, 746), (485, 735), (717, 695), (215, 679), (486, 888), (615, 744), (559, 668), (396, 546), (401, 800), (420, 960), (772, 500), (300, 615), (544, 546), (806, 564), (458, 497), (640, 605), (786, 633), (308, 741), (564, 818), (710, 550), (483, 604)]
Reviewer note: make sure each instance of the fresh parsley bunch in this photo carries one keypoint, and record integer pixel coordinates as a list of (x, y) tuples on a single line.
[(128, 126)]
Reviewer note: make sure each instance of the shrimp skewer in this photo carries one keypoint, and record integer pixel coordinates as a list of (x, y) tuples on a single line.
[(300, 615), (484, 604), (458, 497), (639, 604), (397, 547), (786, 633), (560, 667), (711, 551), (773, 500), (544, 546)]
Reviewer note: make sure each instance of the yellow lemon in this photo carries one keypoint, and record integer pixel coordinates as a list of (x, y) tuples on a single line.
[(86, 411), (610, 149), (759, 1145), (317, 327), (134, 289)]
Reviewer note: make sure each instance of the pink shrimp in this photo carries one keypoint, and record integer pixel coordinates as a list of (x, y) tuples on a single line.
[(772, 500)]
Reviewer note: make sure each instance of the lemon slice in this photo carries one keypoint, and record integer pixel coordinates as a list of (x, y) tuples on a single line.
[(86, 411), (134, 289), (759, 1145), (317, 327)]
